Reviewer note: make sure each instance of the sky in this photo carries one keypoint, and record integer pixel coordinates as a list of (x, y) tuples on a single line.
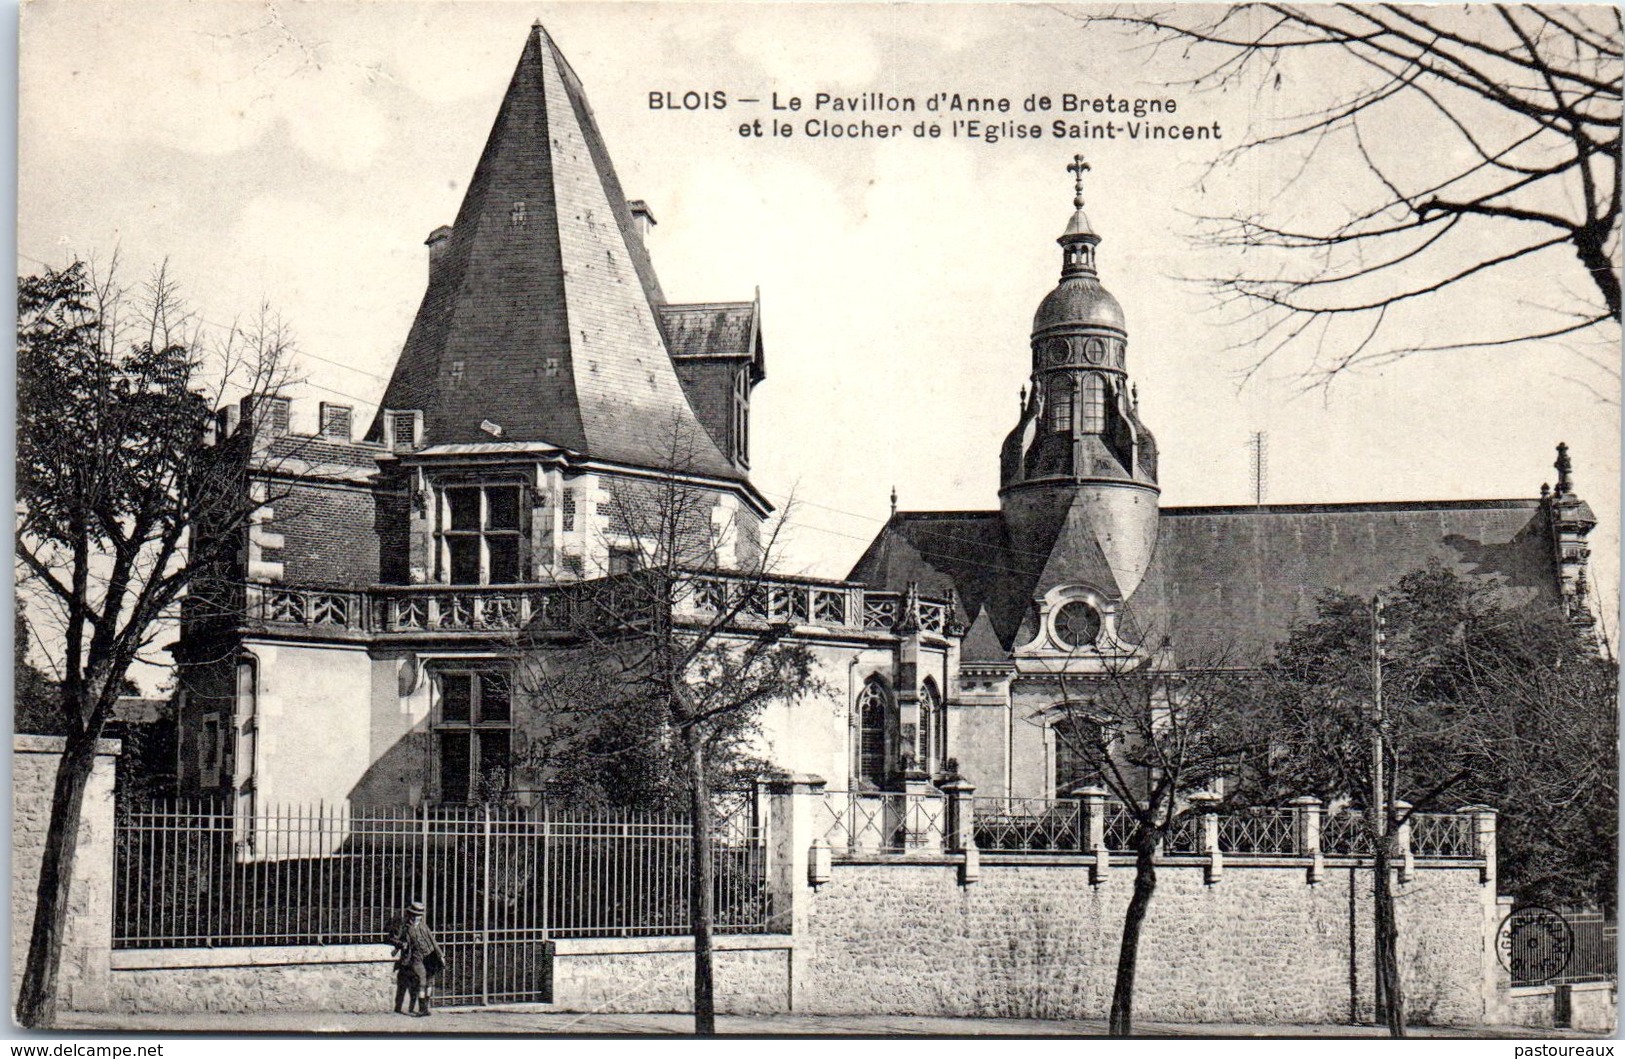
[(297, 155)]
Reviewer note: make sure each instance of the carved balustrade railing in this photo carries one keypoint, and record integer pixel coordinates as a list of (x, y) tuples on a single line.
[(305, 607), (826, 605)]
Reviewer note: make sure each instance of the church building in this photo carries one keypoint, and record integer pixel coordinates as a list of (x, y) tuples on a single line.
[(546, 385)]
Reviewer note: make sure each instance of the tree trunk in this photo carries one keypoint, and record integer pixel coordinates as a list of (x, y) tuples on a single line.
[(701, 894), (1593, 254), (1145, 883), (1390, 993), (37, 996)]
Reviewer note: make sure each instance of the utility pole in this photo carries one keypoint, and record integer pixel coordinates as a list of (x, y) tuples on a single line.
[(1379, 635), (1259, 443), (1385, 951)]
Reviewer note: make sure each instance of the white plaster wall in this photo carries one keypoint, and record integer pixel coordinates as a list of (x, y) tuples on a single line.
[(314, 712)]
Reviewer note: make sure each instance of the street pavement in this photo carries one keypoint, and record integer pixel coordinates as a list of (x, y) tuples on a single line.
[(542, 1019)]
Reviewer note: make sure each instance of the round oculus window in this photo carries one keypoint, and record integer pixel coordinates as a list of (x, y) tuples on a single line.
[(1056, 351), (1077, 624)]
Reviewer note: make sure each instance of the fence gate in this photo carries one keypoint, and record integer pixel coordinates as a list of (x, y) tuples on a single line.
[(484, 885)]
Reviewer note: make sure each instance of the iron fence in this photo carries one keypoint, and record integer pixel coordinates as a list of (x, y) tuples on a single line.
[(1443, 835), (1259, 831), (882, 821), (1120, 828), (1344, 834), (1545, 947), (202, 875), (1182, 834), (1029, 825)]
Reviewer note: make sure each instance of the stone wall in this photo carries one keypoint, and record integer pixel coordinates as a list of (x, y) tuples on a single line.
[(1037, 940), (1593, 1006), (83, 978), (291, 978), (657, 974)]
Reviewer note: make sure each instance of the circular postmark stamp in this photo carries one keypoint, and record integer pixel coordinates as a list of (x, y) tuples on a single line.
[(1535, 944)]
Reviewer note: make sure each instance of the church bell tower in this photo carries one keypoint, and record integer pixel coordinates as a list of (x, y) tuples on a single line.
[(1078, 474)]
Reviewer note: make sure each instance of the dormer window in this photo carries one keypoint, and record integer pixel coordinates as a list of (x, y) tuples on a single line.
[(516, 216), (481, 534)]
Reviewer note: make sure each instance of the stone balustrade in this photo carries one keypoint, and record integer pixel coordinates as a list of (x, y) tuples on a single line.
[(419, 609)]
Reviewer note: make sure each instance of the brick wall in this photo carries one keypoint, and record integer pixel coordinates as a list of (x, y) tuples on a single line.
[(1261, 945), (83, 979), (329, 534)]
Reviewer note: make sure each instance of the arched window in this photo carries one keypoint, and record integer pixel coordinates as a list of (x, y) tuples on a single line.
[(1060, 404), (873, 707), (1077, 754), (742, 416), (933, 728), (1094, 404)]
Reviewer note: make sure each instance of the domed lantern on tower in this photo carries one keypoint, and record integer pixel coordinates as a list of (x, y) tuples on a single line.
[(1080, 460)]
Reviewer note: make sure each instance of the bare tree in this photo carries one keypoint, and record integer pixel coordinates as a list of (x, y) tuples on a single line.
[(1516, 111), (1152, 734), (665, 666), (117, 469)]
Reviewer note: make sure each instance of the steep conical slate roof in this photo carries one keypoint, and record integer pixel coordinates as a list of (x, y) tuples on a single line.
[(540, 315)]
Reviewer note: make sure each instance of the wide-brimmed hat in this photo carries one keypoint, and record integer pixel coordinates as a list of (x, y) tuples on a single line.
[(415, 908)]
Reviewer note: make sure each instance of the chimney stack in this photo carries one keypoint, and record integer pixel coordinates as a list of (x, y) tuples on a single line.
[(437, 247), (643, 218)]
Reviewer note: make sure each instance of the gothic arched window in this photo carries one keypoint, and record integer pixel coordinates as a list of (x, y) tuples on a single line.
[(873, 706), (933, 728), (1060, 405), (1094, 404)]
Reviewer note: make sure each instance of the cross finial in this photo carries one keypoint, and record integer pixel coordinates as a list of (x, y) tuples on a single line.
[(1565, 469), (894, 501), (1077, 168)]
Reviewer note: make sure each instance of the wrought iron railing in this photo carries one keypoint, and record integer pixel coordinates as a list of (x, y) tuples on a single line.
[(199, 874), (1443, 835), (1345, 834), (1259, 831), (1544, 947), (1121, 827), (1182, 834), (879, 821), (1029, 825)]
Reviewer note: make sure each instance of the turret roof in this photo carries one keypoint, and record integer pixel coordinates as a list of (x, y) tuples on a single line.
[(542, 309)]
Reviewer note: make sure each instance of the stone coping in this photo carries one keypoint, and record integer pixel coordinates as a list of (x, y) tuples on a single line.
[(295, 955), (628, 946), (1549, 988), (247, 956), (55, 744), (1002, 859)]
